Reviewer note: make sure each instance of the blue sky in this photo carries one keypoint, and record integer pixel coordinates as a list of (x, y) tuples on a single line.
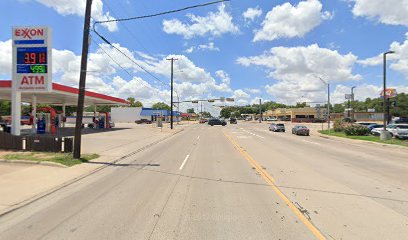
[(244, 49)]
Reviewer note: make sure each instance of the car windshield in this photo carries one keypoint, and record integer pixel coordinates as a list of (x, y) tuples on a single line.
[(203, 119)]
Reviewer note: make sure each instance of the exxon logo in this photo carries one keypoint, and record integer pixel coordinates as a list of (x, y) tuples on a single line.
[(28, 33)]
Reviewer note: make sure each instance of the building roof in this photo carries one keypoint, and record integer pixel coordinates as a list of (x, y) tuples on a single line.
[(157, 112), (60, 95)]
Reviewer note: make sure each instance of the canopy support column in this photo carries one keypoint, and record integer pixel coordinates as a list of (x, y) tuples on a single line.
[(34, 114)]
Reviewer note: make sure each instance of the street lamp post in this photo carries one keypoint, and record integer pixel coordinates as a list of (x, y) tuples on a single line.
[(384, 135), (328, 102), (352, 103)]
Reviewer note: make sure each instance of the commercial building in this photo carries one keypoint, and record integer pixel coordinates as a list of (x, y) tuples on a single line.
[(131, 114), (307, 114)]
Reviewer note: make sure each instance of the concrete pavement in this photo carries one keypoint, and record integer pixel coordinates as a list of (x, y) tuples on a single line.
[(234, 182), (20, 183)]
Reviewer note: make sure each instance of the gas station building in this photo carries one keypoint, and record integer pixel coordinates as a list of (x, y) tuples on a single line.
[(60, 95)]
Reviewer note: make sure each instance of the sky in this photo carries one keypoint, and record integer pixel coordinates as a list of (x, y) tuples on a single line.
[(245, 49)]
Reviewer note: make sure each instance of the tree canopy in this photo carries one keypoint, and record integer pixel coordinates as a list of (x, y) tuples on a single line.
[(161, 105)]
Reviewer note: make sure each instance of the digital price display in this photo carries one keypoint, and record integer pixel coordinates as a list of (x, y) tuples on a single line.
[(32, 60)]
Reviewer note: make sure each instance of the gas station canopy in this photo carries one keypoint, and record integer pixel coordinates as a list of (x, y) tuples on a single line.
[(61, 95)]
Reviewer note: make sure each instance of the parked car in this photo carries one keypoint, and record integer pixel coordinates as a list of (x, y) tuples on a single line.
[(375, 125), (392, 128), (366, 124), (400, 120), (300, 130), (277, 127), (271, 119), (216, 121), (141, 121), (401, 131), (203, 120), (233, 121)]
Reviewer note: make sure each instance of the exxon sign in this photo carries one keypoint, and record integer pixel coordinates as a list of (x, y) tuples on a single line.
[(32, 59)]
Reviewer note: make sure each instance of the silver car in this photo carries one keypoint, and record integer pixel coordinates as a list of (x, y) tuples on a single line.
[(277, 127)]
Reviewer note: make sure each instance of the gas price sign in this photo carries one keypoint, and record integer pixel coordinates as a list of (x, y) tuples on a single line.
[(31, 59)]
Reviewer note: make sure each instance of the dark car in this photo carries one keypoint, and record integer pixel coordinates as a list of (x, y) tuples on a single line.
[(141, 121), (301, 130), (216, 121), (233, 121), (375, 125)]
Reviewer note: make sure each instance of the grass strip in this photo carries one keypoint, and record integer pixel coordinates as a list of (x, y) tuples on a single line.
[(370, 138), (62, 158)]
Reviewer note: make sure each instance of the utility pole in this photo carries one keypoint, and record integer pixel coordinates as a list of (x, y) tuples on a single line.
[(171, 95), (328, 106), (352, 103), (82, 80), (260, 110)]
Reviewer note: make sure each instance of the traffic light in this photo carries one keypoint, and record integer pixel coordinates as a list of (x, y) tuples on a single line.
[(211, 100), (194, 101)]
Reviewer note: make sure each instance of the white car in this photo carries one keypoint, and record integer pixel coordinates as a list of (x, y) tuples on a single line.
[(392, 128), (401, 132)]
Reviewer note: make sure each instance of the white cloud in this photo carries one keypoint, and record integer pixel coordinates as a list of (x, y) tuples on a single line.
[(251, 13), (253, 90), (208, 47), (296, 69), (361, 92), (288, 21), (77, 7), (214, 24), (391, 12), (5, 58), (399, 60)]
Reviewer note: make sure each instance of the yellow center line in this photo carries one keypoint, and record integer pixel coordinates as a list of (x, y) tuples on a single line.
[(271, 182)]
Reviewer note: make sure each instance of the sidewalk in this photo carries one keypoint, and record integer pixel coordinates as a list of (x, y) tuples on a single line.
[(20, 183)]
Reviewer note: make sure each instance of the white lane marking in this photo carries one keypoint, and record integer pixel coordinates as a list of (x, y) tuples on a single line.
[(253, 134), (184, 162), (198, 137), (312, 142)]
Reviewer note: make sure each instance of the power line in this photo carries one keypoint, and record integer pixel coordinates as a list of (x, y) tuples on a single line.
[(161, 13), (124, 69)]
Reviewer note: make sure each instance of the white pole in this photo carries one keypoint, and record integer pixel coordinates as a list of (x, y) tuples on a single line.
[(34, 114), (15, 112), (63, 114)]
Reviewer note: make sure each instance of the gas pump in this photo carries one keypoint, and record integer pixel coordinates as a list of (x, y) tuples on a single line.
[(103, 120), (47, 120)]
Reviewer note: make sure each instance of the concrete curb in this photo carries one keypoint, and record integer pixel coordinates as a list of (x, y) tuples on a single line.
[(28, 162), (359, 140), (74, 180)]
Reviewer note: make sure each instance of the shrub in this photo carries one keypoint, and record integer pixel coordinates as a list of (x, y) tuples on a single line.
[(338, 125), (356, 130)]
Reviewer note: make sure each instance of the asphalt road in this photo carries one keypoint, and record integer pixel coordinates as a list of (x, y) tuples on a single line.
[(234, 182)]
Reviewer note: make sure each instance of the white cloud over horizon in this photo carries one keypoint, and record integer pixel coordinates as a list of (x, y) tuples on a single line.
[(288, 21), (214, 24)]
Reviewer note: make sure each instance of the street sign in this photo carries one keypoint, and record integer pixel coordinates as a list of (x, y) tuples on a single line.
[(211, 100), (389, 93), (348, 96), (31, 59)]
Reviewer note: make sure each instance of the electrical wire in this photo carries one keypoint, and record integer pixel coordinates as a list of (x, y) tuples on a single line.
[(161, 13)]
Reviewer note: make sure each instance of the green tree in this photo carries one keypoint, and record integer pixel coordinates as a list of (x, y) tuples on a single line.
[(138, 104), (190, 110), (338, 108), (134, 103), (161, 105), (5, 108), (206, 114)]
